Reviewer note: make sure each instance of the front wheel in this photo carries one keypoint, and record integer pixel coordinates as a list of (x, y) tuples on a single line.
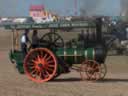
[(91, 70)]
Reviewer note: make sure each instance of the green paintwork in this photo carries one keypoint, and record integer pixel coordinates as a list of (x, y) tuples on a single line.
[(69, 55), (17, 56), (73, 55), (64, 24), (90, 54)]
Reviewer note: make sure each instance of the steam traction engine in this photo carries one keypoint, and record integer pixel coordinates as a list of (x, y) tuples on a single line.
[(54, 56)]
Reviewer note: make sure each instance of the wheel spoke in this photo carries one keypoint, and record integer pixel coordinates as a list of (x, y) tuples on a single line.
[(50, 37), (48, 58), (90, 76), (51, 61), (34, 61), (93, 65), (32, 67), (32, 72), (51, 66), (49, 69), (40, 75), (43, 74), (47, 73), (96, 68), (41, 53), (45, 56), (95, 76), (55, 40), (37, 73), (38, 58), (98, 75), (30, 64)]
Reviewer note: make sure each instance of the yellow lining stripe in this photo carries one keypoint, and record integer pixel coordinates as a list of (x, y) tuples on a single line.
[(93, 54), (75, 56), (86, 57), (65, 55), (69, 55)]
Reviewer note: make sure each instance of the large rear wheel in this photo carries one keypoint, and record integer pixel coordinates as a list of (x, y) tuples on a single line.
[(40, 65)]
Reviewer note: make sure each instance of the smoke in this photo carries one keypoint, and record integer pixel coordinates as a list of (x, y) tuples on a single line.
[(100, 7), (124, 7), (89, 7)]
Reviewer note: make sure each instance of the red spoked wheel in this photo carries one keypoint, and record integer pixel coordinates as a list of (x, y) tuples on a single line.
[(93, 70), (40, 65)]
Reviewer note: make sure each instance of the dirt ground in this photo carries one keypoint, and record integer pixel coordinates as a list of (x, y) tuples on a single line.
[(14, 84)]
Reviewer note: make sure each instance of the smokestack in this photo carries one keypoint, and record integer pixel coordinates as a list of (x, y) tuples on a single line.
[(99, 29)]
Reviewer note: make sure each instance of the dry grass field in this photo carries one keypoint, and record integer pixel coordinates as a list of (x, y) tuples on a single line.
[(14, 84)]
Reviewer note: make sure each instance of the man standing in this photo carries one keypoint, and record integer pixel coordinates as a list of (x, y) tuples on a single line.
[(24, 41), (35, 39)]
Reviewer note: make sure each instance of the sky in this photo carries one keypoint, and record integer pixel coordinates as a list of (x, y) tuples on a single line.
[(61, 7)]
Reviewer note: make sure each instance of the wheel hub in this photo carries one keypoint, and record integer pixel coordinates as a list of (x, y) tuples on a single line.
[(40, 65)]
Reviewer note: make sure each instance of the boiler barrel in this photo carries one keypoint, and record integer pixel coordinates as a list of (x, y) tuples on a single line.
[(76, 56)]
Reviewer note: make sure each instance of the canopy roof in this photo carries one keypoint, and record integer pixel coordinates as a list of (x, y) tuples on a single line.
[(52, 25)]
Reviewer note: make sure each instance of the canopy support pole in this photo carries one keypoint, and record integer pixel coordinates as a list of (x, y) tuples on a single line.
[(13, 40), (16, 40)]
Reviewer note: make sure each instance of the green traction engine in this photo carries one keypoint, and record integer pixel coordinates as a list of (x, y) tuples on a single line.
[(54, 56)]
